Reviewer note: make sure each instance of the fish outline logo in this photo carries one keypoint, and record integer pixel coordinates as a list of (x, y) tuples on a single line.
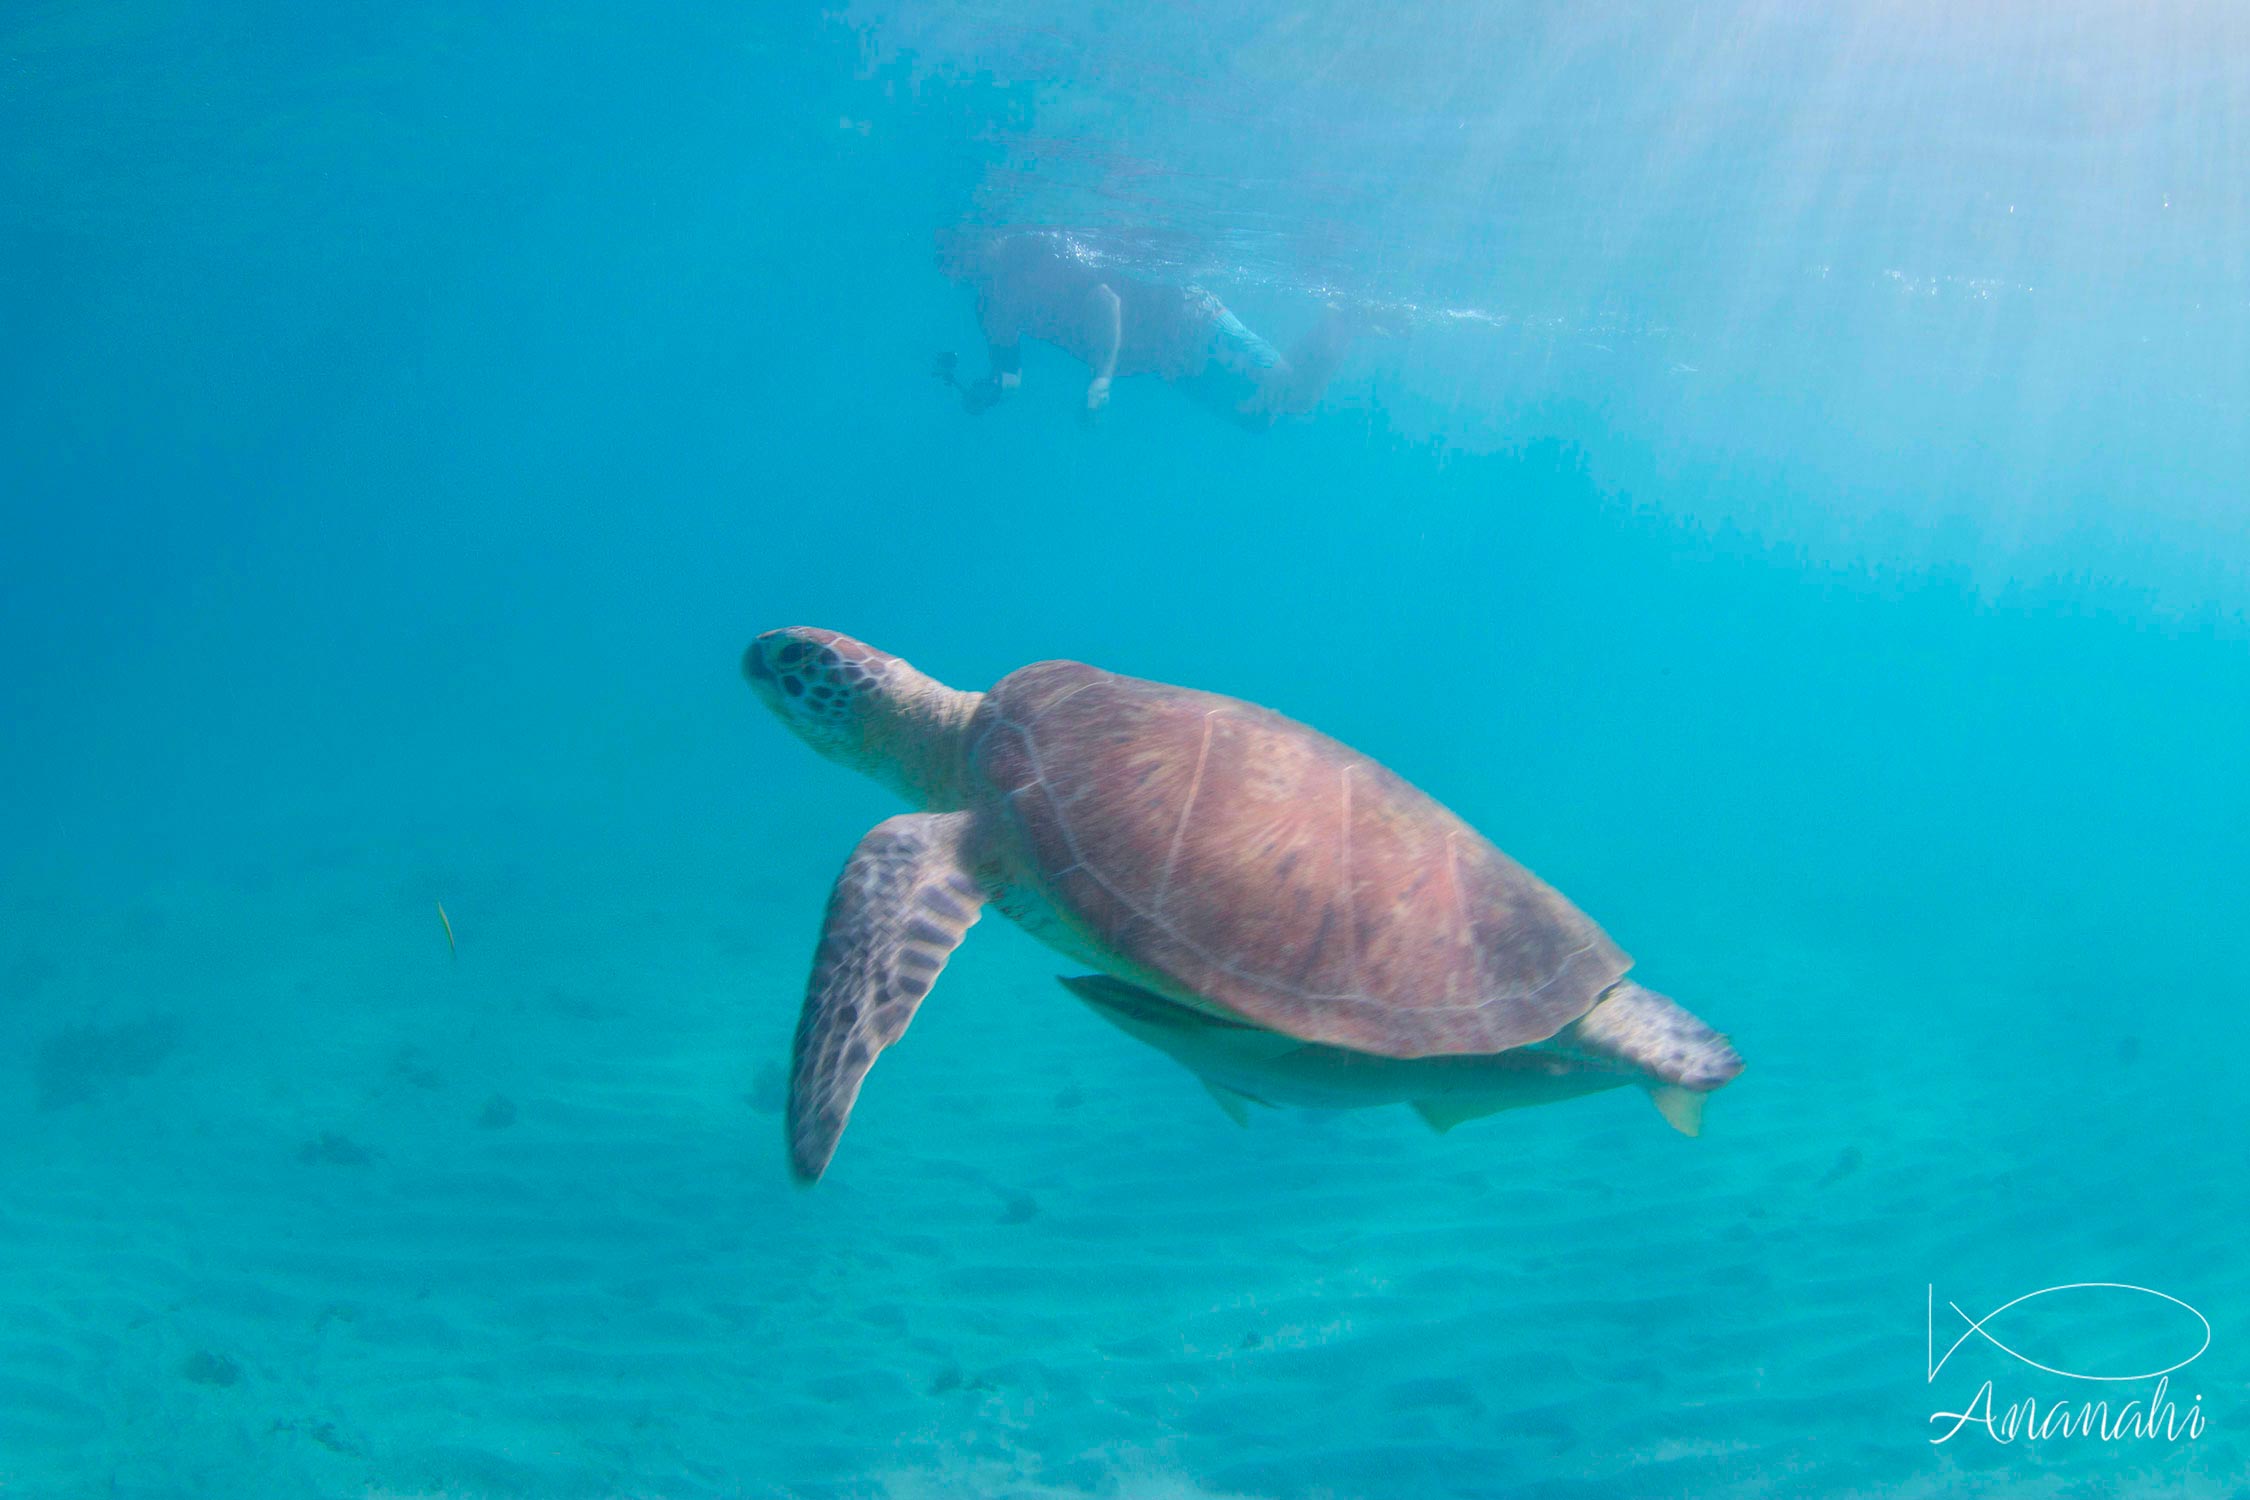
[(1977, 1328)]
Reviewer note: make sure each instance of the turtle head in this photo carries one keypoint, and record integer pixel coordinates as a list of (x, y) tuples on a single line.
[(865, 708), (826, 687)]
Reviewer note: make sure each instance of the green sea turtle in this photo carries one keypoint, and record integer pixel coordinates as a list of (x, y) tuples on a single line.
[(1291, 920)]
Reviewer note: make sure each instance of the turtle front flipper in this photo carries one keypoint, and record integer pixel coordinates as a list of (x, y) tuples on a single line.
[(898, 911)]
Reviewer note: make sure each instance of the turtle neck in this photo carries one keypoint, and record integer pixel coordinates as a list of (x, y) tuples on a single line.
[(918, 743)]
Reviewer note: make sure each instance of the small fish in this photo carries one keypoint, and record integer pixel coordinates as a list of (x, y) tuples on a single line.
[(450, 946), (334, 1150), (1842, 1168)]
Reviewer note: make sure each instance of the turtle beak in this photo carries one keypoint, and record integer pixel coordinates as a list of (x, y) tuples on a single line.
[(754, 668)]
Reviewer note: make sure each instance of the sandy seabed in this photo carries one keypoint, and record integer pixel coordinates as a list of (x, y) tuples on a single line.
[(297, 1203)]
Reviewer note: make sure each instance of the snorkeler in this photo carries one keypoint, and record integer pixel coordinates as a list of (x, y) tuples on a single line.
[(1046, 284)]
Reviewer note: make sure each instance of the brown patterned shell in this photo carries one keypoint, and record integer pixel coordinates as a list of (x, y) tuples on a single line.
[(1216, 850)]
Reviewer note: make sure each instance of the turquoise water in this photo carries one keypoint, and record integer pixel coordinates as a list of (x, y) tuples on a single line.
[(1798, 513)]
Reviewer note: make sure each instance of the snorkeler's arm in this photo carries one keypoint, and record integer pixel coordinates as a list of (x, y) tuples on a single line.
[(1004, 375), (1109, 336), (1003, 352), (1006, 362), (1003, 340)]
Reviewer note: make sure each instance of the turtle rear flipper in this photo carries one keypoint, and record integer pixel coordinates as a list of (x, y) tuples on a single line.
[(1682, 1109), (1678, 1057), (902, 905)]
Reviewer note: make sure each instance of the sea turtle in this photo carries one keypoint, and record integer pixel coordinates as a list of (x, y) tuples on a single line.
[(1277, 911)]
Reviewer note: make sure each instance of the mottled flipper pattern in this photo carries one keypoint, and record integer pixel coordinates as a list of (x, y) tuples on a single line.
[(897, 913)]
